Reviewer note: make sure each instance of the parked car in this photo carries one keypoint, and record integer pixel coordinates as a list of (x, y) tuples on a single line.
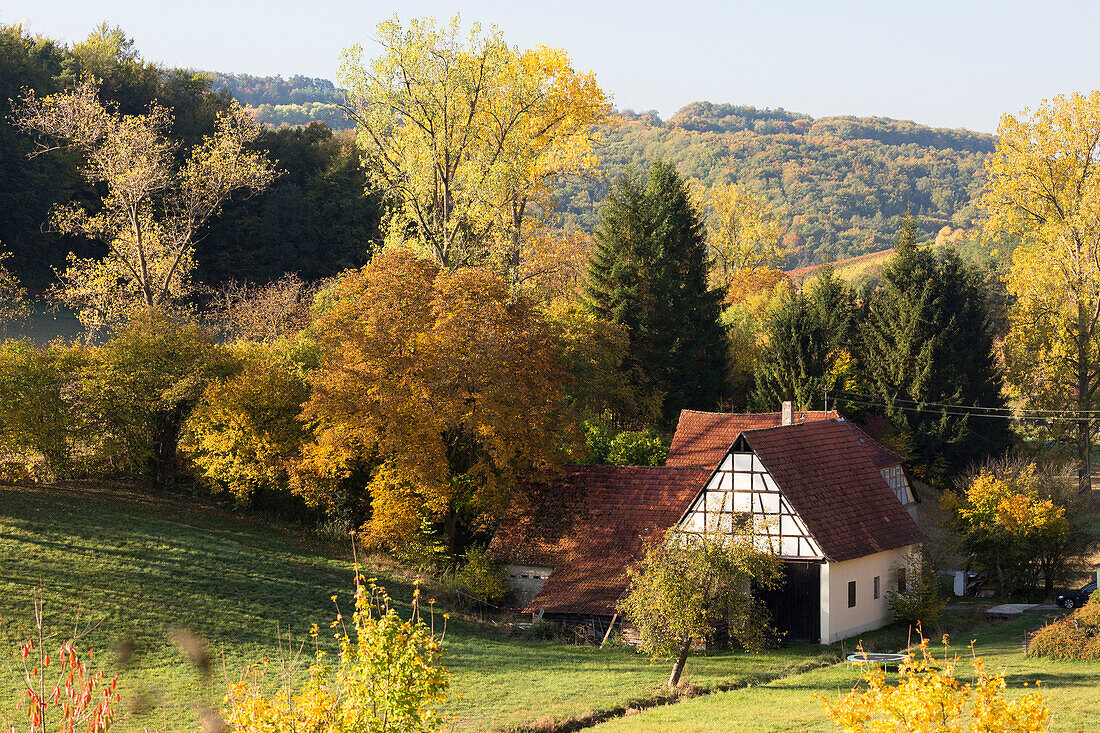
[(1076, 598)]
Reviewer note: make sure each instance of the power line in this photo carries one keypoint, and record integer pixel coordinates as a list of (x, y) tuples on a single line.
[(964, 413), (980, 410)]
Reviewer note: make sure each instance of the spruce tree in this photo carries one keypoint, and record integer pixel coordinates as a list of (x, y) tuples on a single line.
[(807, 338), (927, 344), (649, 272)]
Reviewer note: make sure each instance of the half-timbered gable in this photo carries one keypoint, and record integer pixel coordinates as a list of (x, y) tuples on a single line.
[(742, 488)]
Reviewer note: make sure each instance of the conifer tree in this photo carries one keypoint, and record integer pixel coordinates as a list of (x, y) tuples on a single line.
[(927, 344), (649, 272), (807, 337)]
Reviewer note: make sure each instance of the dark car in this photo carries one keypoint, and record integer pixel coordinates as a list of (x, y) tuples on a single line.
[(1076, 598)]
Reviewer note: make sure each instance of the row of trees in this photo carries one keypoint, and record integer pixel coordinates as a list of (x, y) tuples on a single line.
[(917, 350)]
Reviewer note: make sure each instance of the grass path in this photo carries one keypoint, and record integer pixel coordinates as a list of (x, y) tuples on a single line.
[(142, 566)]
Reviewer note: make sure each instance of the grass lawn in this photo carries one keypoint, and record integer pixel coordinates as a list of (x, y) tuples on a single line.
[(791, 704), (141, 566)]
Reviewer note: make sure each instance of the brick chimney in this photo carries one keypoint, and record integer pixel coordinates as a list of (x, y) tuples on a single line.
[(788, 413)]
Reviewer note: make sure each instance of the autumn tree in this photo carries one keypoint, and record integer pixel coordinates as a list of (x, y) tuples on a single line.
[(152, 207), (1006, 525), (688, 581), (138, 388), (464, 133), (244, 433), (40, 414), (648, 272), (744, 233), (1044, 186), (450, 382)]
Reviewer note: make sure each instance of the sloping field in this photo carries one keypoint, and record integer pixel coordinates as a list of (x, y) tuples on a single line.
[(847, 269), (141, 567)]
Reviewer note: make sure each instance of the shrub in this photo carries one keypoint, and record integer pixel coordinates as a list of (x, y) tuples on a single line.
[(1076, 636), (930, 697), (61, 692), (921, 601), (637, 448), (390, 677), (39, 423), (480, 577), (140, 386), (607, 445), (245, 431)]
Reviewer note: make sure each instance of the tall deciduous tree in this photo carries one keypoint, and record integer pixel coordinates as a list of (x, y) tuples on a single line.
[(463, 133), (743, 232), (926, 343), (1044, 186), (689, 580), (649, 273), (451, 383), (152, 208)]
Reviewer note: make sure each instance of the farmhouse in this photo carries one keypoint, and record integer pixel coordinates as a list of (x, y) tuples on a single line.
[(836, 506)]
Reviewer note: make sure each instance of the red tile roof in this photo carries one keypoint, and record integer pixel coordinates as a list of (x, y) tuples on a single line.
[(589, 524), (844, 502), (702, 438)]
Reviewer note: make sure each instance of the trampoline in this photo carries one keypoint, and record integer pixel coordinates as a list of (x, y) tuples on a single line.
[(883, 659)]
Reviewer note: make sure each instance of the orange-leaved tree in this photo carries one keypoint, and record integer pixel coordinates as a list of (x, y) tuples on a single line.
[(448, 384)]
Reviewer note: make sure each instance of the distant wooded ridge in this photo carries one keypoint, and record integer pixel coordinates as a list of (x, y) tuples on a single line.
[(842, 183)]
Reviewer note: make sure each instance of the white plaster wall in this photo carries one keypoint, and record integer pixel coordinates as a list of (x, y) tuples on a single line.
[(840, 622), (525, 582)]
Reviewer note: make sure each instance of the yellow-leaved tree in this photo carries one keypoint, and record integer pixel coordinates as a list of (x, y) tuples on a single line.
[(448, 383), (1044, 187), (744, 232), (152, 206), (464, 134)]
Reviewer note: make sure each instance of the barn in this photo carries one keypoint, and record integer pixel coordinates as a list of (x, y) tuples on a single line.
[(836, 506)]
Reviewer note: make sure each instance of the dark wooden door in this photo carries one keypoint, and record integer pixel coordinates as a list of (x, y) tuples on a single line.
[(796, 606)]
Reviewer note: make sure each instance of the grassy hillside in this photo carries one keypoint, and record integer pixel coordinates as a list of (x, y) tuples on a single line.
[(143, 566), (842, 183)]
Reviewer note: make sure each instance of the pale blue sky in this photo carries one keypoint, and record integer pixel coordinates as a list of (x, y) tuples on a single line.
[(951, 64)]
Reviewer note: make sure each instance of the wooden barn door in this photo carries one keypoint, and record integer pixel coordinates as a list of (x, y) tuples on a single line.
[(796, 606)]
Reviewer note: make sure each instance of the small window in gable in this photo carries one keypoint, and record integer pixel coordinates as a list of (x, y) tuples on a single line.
[(901, 580), (851, 594), (876, 587)]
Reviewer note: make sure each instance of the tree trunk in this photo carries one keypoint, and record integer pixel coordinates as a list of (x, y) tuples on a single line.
[(1000, 578), (678, 668), (450, 530), (1084, 447)]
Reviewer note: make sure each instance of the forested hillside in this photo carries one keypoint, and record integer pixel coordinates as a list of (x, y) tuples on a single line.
[(842, 183), (298, 100)]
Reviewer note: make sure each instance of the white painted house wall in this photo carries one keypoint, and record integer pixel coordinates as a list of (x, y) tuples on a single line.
[(838, 621)]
